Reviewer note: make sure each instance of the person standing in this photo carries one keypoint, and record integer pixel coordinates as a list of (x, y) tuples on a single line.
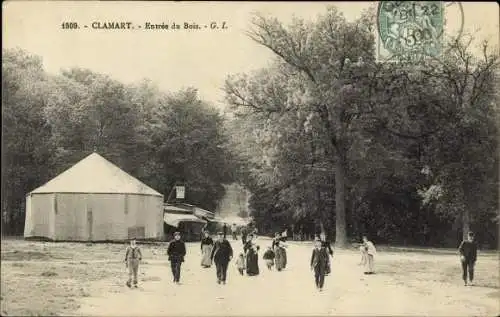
[(176, 252), (224, 230), (207, 244), (234, 228), (280, 255), (244, 235), (327, 245), (319, 262), (468, 256), (251, 256), (269, 258), (222, 253), (240, 263), (371, 252), (133, 256)]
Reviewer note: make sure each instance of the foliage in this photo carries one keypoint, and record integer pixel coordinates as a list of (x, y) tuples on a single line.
[(52, 121), (331, 134)]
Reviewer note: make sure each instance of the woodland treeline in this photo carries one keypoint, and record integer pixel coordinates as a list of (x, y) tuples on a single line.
[(50, 122), (334, 139), (325, 138)]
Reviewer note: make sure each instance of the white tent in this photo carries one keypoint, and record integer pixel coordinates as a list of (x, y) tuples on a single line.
[(94, 200)]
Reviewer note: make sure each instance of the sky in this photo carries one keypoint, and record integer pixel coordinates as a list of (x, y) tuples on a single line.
[(174, 59)]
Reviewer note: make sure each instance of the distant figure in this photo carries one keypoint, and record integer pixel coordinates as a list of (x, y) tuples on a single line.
[(468, 256), (222, 253), (133, 256), (319, 262), (224, 230), (234, 228), (251, 256), (204, 229), (371, 252), (244, 234), (176, 252), (240, 263), (364, 254), (327, 245), (207, 244), (269, 257)]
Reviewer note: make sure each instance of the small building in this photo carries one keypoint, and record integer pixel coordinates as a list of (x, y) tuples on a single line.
[(183, 218), (94, 201)]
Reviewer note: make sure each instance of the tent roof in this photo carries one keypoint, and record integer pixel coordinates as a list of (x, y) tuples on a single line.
[(95, 174)]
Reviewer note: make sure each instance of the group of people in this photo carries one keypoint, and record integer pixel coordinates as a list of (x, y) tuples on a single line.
[(220, 252)]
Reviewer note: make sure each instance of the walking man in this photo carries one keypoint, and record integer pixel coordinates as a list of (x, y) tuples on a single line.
[(319, 262), (222, 253), (468, 255), (224, 230), (234, 228), (176, 252)]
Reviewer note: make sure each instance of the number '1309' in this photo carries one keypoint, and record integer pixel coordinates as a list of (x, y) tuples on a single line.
[(69, 25)]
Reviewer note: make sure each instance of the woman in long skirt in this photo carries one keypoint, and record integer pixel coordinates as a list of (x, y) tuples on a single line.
[(252, 256), (206, 250), (280, 252)]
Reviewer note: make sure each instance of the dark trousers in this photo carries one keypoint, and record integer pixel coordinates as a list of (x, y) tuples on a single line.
[(221, 268), (467, 266), (319, 277), (176, 270)]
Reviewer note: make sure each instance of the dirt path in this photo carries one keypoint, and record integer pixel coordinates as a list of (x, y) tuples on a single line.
[(291, 292)]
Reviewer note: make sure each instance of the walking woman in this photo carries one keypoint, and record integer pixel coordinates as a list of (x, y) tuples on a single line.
[(252, 257), (207, 243), (280, 255)]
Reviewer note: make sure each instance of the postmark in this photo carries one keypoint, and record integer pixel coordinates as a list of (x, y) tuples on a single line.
[(414, 29)]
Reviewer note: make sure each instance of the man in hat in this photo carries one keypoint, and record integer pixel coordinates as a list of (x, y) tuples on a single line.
[(468, 255), (222, 253), (224, 230), (319, 263), (176, 252)]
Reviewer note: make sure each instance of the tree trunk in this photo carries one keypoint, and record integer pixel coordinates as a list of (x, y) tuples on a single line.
[(340, 217), (465, 223)]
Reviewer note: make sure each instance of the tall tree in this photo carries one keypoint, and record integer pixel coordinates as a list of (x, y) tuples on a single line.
[(319, 54)]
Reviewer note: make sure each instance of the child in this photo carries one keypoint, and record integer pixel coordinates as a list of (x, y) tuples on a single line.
[(319, 262), (370, 252), (468, 255), (240, 263), (132, 258), (269, 257), (364, 255)]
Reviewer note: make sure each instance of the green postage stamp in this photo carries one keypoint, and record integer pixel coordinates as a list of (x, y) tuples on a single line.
[(410, 29)]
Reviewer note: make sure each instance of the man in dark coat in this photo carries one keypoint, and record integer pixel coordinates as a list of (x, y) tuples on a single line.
[(176, 252), (224, 230), (222, 253), (468, 256), (319, 263)]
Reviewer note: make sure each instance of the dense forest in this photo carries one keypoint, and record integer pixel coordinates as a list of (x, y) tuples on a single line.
[(334, 139), (326, 138)]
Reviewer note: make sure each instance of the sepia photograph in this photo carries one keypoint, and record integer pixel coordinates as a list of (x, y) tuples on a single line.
[(239, 158)]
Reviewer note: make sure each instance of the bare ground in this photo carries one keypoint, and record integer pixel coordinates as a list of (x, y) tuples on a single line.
[(79, 279)]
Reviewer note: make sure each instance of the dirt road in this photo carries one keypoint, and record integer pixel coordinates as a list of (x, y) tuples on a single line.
[(290, 292)]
